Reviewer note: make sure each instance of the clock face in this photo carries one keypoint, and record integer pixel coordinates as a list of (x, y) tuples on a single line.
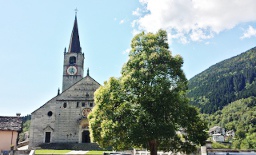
[(72, 70), (86, 111)]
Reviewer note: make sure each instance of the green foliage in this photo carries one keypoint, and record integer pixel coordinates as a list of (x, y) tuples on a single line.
[(52, 151), (244, 144), (96, 152), (110, 116), (147, 105), (216, 145), (25, 127), (240, 134), (224, 82), (237, 116), (26, 118), (236, 144), (230, 125)]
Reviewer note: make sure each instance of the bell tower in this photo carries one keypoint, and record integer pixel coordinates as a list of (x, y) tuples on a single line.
[(73, 67)]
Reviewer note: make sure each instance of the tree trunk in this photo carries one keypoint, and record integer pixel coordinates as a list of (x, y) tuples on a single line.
[(152, 147)]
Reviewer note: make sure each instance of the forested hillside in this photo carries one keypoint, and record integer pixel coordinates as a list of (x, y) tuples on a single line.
[(25, 127), (239, 116), (224, 82)]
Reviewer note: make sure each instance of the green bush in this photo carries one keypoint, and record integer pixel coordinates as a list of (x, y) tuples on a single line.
[(216, 145)]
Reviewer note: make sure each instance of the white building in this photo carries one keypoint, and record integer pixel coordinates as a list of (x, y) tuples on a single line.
[(218, 137)]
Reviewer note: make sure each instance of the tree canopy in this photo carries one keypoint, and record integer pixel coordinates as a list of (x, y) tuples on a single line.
[(147, 106)]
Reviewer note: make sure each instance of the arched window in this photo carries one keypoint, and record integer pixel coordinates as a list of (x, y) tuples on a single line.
[(72, 60), (87, 95), (65, 105)]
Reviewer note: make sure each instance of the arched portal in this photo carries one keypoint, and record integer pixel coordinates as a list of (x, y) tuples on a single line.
[(86, 136)]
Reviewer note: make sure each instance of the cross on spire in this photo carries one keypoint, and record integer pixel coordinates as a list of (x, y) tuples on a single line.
[(74, 45), (76, 10)]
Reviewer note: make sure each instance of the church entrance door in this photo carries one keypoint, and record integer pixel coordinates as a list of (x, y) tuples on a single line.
[(47, 137), (86, 136)]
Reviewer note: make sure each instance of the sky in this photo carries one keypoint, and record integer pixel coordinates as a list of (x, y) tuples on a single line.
[(33, 35)]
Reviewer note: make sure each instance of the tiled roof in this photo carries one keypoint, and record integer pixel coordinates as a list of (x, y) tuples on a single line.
[(10, 123), (214, 128)]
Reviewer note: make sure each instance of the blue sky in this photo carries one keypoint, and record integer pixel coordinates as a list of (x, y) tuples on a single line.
[(33, 35)]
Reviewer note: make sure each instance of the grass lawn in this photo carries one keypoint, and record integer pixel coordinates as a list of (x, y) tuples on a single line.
[(96, 152), (52, 151), (66, 151)]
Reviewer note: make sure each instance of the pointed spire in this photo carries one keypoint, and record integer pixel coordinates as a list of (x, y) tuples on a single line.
[(88, 72), (74, 45)]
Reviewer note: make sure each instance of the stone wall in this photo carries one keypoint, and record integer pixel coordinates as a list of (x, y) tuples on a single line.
[(69, 80), (63, 116), (42, 122), (71, 146)]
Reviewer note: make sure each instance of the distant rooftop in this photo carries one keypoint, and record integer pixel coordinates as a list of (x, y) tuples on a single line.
[(10, 123)]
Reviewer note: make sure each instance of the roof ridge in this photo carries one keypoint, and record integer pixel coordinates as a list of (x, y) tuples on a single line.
[(44, 104), (79, 81), (12, 116)]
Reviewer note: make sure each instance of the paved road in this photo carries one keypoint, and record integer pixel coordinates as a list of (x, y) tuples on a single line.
[(232, 153), (71, 152), (23, 147)]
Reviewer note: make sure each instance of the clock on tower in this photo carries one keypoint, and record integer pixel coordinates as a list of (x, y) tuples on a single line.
[(73, 68)]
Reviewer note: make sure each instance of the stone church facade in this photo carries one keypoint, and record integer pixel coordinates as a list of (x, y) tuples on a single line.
[(63, 119)]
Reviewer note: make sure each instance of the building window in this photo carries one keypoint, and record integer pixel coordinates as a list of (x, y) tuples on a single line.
[(49, 113), (91, 104), (77, 104), (87, 95), (72, 60), (83, 104), (65, 105)]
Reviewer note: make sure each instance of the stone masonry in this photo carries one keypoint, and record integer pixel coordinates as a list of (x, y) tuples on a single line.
[(63, 119)]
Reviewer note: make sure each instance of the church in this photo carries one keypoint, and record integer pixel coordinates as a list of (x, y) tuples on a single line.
[(63, 119)]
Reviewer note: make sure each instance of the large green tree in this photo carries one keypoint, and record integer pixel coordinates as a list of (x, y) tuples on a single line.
[(147, 106)]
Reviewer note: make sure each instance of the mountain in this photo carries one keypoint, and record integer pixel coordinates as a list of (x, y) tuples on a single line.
[(224, 82)]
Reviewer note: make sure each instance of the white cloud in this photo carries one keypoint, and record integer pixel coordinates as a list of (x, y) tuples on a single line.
[(250, 32), (179, 36), (143, 1), (134, 23), (122, 21), (199, 34), (195, 19), (137, 12), (126, 51), (135, 32)]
